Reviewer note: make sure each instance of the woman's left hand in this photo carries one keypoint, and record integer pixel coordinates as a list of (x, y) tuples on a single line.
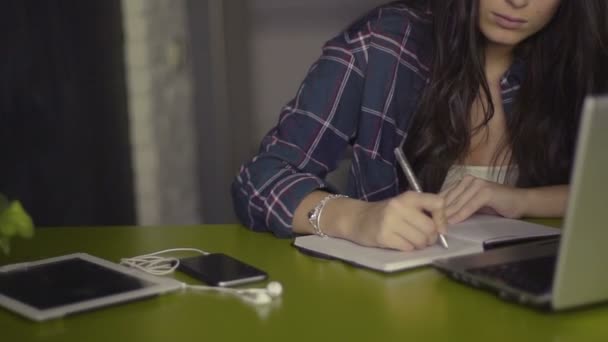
[(472, 195)]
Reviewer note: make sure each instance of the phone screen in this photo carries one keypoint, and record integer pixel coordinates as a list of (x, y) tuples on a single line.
[(219, 269)]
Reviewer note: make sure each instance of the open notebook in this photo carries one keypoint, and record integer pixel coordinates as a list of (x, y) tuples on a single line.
[(471, 236)]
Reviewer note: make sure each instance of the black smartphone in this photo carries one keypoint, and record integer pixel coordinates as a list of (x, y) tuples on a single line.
[(219, 269)]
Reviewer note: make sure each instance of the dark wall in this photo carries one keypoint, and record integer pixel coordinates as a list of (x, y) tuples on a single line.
[(64, 147)]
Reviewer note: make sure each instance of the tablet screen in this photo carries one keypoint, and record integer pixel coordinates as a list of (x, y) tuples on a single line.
[(65, 282), (58, 286)]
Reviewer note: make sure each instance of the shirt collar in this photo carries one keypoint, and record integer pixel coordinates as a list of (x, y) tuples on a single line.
[(514, 75)]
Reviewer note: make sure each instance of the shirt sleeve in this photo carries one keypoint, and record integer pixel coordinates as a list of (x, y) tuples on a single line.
[(311, 137)]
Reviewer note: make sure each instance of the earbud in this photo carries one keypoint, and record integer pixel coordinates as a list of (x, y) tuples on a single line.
[(265, 295), (274, 289), (258, 296)]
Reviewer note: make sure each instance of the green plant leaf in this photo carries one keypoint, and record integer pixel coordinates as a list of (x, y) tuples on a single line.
[(22, 221), (5, 245), (14, 221), (7, 227)]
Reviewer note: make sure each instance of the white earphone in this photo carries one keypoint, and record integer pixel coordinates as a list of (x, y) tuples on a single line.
[(258, 296), (265, 295)]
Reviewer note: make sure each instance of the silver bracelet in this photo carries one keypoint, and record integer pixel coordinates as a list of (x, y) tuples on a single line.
[(314, 215)]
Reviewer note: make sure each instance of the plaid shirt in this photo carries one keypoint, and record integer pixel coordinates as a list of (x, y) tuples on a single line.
[(361, 92)]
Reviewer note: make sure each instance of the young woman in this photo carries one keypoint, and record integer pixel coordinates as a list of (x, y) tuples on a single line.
[(483, 96)]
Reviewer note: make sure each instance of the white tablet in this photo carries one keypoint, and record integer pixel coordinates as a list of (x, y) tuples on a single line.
[(55, 287)]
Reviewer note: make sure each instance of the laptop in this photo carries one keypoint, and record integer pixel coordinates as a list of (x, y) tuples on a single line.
[(569, 271)]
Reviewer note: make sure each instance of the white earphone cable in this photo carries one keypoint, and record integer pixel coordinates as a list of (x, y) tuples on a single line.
[(155, 264)]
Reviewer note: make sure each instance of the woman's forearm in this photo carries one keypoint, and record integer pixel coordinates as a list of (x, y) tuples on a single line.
[(549, 201)]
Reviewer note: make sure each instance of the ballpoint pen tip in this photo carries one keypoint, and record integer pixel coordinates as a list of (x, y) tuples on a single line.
[(444, 241)]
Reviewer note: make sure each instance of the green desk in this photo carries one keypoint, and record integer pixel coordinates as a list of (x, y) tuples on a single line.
[(322, 301)]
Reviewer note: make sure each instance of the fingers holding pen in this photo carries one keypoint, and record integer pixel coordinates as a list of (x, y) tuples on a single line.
[(425, 203), (425, 212), (432, 204), (406, 222)]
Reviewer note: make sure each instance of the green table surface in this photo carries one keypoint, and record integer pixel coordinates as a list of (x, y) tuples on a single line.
[(323, 300)]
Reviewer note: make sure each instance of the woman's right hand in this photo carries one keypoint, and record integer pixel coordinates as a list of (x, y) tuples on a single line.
[(406, 222)]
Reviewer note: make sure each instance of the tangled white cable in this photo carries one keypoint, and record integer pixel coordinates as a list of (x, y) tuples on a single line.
[(153, 263)]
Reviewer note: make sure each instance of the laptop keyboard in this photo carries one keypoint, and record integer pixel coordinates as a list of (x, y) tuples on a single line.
[(532, 275)]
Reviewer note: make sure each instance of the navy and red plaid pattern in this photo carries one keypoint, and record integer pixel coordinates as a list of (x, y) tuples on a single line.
[(361, 93)]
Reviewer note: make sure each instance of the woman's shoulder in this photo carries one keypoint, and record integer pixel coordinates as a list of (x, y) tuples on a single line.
[(395, 27), (400, 30), (395, 19)]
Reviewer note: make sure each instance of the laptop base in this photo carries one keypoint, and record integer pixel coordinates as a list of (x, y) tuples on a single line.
[(522, 273)]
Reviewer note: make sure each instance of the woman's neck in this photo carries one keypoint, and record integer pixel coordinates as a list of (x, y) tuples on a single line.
[(498, 59)]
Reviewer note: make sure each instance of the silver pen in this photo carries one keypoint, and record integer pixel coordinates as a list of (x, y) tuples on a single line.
[(411, 179)]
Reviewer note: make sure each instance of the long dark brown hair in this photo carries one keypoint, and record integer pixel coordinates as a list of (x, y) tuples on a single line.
[(563, 62)]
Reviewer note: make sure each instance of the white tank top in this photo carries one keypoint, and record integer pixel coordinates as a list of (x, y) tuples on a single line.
[(497, 174)]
